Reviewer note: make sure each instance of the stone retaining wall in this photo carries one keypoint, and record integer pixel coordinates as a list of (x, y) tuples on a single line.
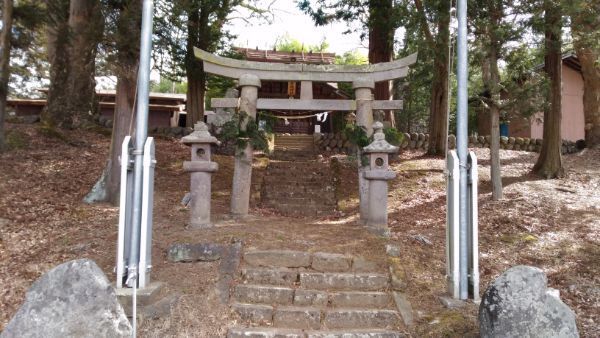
[(338, 143), (333, 143)]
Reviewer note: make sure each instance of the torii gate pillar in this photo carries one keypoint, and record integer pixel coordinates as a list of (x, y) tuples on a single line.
[(242, 172), (363, 90)]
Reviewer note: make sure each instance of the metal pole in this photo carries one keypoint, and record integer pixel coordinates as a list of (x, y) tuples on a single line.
[(461, 141), (141, 133)]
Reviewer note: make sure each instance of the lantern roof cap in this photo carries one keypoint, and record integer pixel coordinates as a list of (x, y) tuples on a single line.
[(379, 144), (200, 135)]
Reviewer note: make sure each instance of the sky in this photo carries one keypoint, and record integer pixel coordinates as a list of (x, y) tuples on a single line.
[(289, 20)]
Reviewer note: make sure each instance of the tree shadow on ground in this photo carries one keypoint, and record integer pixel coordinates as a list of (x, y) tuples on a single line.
[(521, 158)]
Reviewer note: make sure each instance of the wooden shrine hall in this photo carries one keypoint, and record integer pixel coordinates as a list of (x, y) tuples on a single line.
[(293, 90)]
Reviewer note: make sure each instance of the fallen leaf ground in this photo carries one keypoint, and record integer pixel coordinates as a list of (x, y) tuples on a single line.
[(551, 224)]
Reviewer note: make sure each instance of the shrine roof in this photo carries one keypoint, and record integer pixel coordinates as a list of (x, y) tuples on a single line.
[(317, 58)]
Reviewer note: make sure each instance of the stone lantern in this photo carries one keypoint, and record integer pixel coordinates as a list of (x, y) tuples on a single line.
[(200, 169), (378, 174)]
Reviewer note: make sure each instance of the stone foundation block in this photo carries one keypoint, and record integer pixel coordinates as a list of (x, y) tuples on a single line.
[(360, 299), (144, 297), (360, 319), (269, 276), (327, 262), (354, 334), (310, 298), (257, 314), (278, 258), (263, 332), (297, 317), (343, 281), (264, 294)]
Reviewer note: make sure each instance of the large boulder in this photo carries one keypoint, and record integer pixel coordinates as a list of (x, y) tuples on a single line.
[(519, 304), (75, 299)]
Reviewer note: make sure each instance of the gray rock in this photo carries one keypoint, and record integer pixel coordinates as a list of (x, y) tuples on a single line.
[(204, 252), (75, 299), (452, 303), (392, 250), (404, 308), (518, 304)]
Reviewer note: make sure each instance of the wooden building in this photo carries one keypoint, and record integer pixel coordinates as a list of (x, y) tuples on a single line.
[(165, 109), (573, 121), (292, 90)]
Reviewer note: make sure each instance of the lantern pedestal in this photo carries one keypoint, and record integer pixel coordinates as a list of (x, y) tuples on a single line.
[(377, 175), (201, 169)]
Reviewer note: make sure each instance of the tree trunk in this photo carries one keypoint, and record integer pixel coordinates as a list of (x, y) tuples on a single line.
[(381, 47), (195, 98), (549, 163), (85, 24), (56, 113), (196, 77), (438, 117), (590, 69), (7, 19), (128, 44), (491, 78)]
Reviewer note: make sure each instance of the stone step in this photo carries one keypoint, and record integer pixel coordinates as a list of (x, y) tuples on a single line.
[(297, 317), (360, 319), (277, 258), (357, 299), (270, 332), (260, 294), (344, 281), (274, 193), (354, 334), (297, 179), (270, 276), (301, 202), (301, 210), (254, 313), (263, 332)]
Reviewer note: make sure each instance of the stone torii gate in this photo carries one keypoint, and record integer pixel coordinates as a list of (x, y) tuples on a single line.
[(250, 74)]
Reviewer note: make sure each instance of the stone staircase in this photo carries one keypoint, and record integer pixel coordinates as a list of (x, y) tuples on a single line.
[(294, 142), (300, 187), (293, 294)]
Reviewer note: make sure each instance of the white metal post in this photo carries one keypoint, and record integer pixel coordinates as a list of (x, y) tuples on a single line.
[(147, 206), (473, 228), (124, 220), (452, 225)]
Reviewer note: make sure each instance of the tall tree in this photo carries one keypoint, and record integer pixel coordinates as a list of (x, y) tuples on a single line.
[(585, 29), (493, 30), (85, 29), (5, 45), (55, 115), (73, 33), (379, 20), (549, 163), (123, 32), (439, 14), (185, 24)]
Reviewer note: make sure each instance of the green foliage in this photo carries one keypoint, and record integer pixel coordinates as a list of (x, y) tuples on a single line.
[(353, 57), (166, 85), (286, 43), (393, 136), (357, 135), (232, 131), (269, 119)]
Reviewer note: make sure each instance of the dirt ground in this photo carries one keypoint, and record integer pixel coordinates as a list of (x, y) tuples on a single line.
[(551, 224)]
